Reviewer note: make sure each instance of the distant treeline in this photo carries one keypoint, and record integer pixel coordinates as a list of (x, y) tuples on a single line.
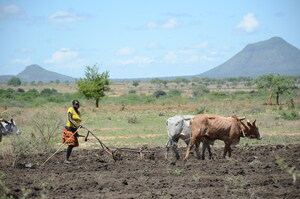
[(32, 97)]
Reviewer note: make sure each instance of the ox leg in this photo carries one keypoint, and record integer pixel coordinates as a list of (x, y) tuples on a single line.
[(203, 150), (197, 150), (168, 145), (226, 149), (188, 149), (229, 151), (205, 146), (175, 150), (0, 137), (209, 151)]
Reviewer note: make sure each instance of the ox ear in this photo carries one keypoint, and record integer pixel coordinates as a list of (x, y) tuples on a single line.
[(249, 123), (241, 118), (12, 121)]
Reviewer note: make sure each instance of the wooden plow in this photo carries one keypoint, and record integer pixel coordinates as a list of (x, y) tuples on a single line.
[(113, 151)]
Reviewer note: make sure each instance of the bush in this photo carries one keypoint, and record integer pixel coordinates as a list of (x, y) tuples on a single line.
[(132, 120), (14, 81), (21, 90), (48, 92), (200, 91), (159, 93), (132, 92), (174, 93), (290, 115), (21, 147)]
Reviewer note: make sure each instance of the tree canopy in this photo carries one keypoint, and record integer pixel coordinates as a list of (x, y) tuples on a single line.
[(95, 84), (276, 84), (14, 81)]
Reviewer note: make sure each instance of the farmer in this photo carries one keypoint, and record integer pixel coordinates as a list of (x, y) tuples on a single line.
[(73, 124)]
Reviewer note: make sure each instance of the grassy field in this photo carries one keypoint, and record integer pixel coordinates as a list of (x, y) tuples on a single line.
[(132, 121)]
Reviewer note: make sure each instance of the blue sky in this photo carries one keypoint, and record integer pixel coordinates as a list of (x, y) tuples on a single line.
[(138, 38)]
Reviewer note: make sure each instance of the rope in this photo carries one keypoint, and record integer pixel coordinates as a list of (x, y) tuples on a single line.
[(61, 145)]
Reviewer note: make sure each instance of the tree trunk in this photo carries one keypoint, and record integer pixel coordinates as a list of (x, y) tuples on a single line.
[(270, 98), (277, 98), (97, 103)]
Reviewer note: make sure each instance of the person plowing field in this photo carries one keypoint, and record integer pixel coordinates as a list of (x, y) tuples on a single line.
[(70, 134)]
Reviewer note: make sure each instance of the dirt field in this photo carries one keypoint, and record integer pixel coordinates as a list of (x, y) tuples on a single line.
[(252, 172)]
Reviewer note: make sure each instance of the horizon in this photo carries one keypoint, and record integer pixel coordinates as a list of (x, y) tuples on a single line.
[(138, 39)]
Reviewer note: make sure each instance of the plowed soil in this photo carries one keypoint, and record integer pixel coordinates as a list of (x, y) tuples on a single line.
[(251, 172)]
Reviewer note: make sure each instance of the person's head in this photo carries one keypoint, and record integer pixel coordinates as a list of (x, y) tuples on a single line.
[(76, 104)]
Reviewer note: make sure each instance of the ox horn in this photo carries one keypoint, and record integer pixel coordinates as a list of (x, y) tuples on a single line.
[(241, 118)]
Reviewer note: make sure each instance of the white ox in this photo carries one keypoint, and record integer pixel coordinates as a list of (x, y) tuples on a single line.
[(8, 128), (178, 127)]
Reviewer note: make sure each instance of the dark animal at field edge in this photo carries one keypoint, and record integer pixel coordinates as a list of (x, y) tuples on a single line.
[(8, 128)]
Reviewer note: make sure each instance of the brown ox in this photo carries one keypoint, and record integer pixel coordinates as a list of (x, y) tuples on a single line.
[(207, 127)]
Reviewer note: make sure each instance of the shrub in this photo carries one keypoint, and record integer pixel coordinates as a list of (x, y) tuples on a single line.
[(132, 119), (290, 115), (21, 90), (132, 92), (175, 93), (200, 91), (21, 148), (14, 81), (45, 124), (48, 92), (159, 93)]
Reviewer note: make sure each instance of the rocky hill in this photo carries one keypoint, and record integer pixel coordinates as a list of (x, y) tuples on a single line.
[(271, 56), (37, 73)]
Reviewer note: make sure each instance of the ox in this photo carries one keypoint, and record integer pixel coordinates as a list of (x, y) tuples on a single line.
[(207, 127), (8, 128), (178, 127)]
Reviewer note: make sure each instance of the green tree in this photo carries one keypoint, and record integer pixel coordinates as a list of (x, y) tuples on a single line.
[(14, 81), (94, 85), (275, 84), (159, 82), (135, 83), (159, 93)]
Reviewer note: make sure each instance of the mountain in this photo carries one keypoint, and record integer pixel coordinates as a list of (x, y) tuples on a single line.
[(5, 78), (37, 73), (271, 56)]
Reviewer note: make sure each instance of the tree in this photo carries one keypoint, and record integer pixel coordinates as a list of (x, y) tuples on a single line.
[(159, 93), (135, 83), (14, 81), (94, 85), (275, 84)]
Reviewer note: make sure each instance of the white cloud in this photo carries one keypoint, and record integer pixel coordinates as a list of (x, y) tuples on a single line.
[(214, 53), (21, 61), (62, 56), (25, 50), (60, 17), (125, 51), (201, 45), (248, 24), (172, 23), (153, 45), (207, 58), (135, 60), (186, 51), (192, 59), (170, 57), (11, 11), (152, 25)]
